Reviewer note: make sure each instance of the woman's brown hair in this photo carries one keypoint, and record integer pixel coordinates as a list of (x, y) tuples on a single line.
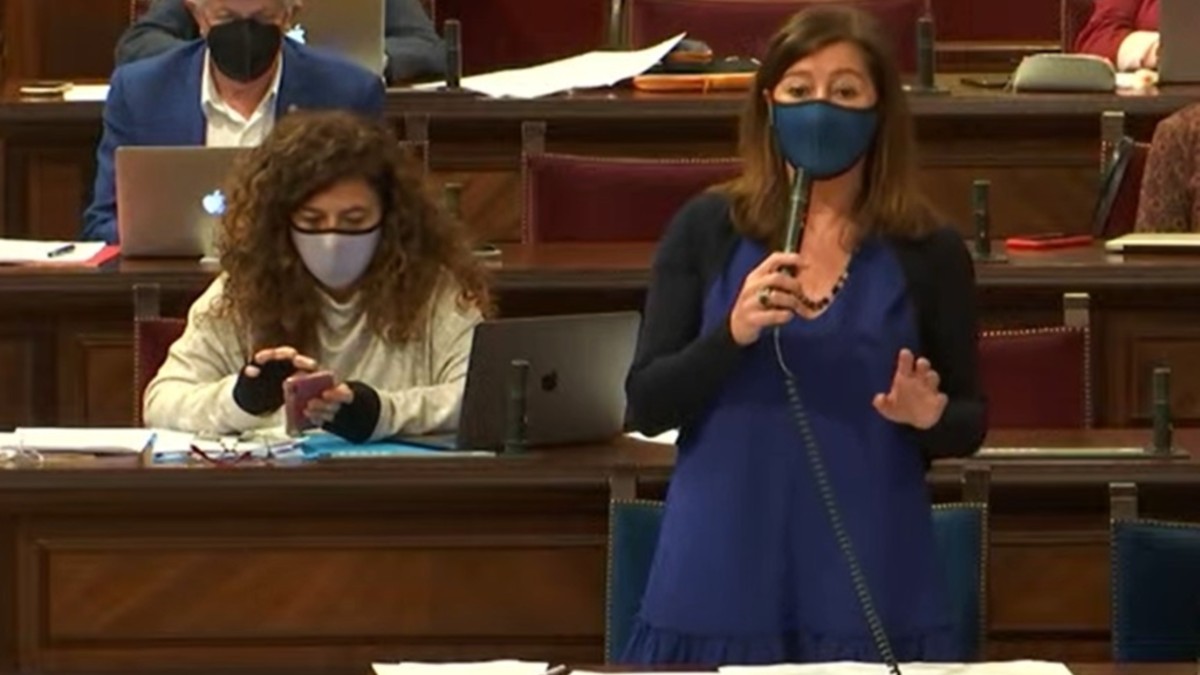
[(890, 201), (268, 291)]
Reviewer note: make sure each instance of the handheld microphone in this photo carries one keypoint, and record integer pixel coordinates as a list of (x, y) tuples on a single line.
[(1160, 410), (981, 210), (797, 211), (452, 34), (515, 423)]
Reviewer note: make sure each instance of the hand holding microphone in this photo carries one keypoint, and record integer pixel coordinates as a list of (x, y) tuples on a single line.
[(769, 297)]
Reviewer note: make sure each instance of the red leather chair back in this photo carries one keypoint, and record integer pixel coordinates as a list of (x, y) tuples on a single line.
[(1037, 378), (510, 33), (744, 27), (570, 198), (152, 338)]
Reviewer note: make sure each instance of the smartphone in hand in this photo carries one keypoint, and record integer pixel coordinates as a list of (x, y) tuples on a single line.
[(298, 390)]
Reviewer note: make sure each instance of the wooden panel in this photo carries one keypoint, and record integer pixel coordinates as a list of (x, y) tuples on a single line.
[(1049, 581), (58, 189), (63, 39), (226, 590), (96, 374), (1140, 340), (17, 373), (324, 574), (488, 204)]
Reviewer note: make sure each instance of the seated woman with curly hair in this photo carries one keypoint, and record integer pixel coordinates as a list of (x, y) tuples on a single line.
[(333, 258)]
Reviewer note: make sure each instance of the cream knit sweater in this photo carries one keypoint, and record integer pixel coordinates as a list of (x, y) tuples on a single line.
[(420, 383)]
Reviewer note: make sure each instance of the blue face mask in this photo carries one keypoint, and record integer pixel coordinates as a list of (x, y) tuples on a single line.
[(823, 138)]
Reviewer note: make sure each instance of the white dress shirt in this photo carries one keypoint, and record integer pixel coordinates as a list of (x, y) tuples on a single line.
[(228, 128)]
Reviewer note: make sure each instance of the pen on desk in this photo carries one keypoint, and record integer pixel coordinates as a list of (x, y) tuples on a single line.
[(61, 250), (562, 669)]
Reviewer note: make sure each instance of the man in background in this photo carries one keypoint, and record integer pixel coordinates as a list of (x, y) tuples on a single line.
[(414, 49), (225, 90)]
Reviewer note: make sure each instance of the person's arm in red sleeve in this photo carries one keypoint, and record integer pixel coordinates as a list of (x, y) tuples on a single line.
[(1113, 32)]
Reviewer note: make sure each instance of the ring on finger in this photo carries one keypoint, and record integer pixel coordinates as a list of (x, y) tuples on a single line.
[(764, 297)]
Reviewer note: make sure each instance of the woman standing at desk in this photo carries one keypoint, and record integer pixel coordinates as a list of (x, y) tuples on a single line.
[(333, 258), (879, 327)]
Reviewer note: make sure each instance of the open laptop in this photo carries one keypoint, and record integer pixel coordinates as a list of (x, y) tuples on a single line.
[(575, 390), (352, 28), (170, 199), (1179, 50)]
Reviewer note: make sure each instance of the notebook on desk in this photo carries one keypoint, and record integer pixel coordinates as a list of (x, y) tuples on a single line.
[(576, 383), (1179, 51), (1155, 242)]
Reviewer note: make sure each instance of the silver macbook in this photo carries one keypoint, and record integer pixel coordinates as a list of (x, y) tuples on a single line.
[(575, 391), (170, 199), (1179, 50), (352, 28)]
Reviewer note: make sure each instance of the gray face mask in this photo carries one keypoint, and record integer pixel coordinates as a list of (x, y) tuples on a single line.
[(337, 259)]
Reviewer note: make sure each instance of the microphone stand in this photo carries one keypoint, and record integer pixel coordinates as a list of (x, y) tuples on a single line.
[(926, 57), (981, 208)]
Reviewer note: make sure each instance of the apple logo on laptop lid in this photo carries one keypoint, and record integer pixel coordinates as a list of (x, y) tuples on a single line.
[(214, 203)]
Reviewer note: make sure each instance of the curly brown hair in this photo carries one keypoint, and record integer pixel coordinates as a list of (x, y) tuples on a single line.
[(268, 291)]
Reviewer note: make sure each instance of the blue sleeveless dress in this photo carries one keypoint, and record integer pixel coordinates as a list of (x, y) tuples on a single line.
[(747, 570)]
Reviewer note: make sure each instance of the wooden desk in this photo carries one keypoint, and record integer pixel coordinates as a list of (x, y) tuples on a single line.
[(1041, 152), (65, 335), (111, 565)]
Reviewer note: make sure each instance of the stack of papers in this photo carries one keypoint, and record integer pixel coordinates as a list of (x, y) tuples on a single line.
[(477, 668), (94, 441), (27, 252), (854, 668), (586, 71)]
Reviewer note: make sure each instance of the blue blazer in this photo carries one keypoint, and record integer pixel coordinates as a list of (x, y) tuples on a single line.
[(156, 101)]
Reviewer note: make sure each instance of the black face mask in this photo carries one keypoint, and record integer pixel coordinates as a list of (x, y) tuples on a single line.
[(244, 49)]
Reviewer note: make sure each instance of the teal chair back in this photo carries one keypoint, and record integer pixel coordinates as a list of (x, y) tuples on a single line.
[(633, 528), (960, 531), (1155, 591)]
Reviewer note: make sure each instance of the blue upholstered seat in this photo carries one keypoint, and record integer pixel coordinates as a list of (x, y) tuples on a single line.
[(960, 531), (1155, 591)]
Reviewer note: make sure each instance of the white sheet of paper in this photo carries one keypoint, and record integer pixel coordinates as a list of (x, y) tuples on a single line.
[(666, 437), (854, 668), (480, 668), (97, 441), (585, 71), (25, 251), (87, 92)]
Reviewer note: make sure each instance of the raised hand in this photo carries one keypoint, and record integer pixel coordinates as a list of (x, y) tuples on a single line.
[(914, 398)]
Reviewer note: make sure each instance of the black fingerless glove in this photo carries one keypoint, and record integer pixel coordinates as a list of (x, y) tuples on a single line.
[(356, 421), (262, 395)]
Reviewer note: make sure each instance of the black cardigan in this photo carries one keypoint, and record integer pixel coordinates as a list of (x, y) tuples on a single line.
[(677, 371)]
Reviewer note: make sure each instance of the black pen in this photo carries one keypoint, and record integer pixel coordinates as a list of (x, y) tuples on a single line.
[(562, 669), (61, 250)]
